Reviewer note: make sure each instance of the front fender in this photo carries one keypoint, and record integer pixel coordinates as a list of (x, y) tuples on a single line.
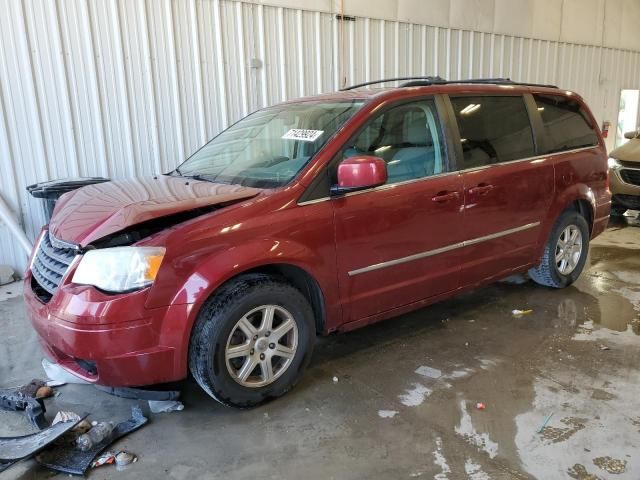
[(222, 266)]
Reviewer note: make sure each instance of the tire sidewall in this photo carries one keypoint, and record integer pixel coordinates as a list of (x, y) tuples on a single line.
[(566, 219), (220, 381)]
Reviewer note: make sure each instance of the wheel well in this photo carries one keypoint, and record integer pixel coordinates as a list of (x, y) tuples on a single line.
[(304, 282), (583, 207)]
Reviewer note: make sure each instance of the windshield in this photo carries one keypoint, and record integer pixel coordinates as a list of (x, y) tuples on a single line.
[(268, 148)]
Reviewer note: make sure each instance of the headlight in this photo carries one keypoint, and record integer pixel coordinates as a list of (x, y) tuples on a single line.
[(119, 269), (613, 163)]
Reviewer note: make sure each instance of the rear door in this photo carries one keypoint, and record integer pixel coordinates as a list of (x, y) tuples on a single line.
[(508, 188), (394, 242)]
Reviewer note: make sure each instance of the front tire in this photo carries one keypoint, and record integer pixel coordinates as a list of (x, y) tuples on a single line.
[(565, 253), (252, 340)]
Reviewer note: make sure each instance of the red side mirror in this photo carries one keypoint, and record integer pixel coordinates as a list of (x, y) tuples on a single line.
[(358, 173)]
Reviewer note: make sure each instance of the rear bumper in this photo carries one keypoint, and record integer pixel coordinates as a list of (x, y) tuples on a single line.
[(124, 343)]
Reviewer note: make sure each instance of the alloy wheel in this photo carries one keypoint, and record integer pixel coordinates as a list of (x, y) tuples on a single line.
[(261, 346), (569, 249)]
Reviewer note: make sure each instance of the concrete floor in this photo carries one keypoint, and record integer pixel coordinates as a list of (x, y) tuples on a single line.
[(404, 405)]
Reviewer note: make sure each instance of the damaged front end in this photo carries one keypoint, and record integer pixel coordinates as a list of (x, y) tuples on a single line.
[(104, 278)]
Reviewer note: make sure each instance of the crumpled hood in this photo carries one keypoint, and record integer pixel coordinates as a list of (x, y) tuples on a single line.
[(629, 152), (92, 212)]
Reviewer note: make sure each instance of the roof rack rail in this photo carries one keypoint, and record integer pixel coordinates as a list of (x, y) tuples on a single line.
[(429, 80), (425, 81)]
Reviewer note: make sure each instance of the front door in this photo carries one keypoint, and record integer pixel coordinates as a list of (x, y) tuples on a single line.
[(396, 243), (507, 188)]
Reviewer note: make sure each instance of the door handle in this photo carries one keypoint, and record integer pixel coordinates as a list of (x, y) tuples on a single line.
[(481, 189), (442, 197)]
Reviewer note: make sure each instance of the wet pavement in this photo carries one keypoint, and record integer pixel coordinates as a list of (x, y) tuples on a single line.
[(559, 388)]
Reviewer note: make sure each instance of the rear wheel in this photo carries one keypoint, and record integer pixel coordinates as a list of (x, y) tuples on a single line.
[(252, 340), (565, 252)]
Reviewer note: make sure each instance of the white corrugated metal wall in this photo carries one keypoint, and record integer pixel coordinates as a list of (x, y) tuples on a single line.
[(130, 87)]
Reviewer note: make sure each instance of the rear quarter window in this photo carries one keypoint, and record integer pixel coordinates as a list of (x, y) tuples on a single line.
[(566, 125)]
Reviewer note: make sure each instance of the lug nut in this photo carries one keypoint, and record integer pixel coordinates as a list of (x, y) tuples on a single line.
[(252, 351), (262, 356), (255, 337), (267, 334), (272, 346)]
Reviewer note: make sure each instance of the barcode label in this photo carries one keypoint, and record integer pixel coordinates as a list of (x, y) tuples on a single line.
[(302, 134)]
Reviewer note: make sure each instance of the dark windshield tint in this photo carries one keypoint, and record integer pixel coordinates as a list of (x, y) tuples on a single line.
[(268, 148), (493, 129), (566, 125)]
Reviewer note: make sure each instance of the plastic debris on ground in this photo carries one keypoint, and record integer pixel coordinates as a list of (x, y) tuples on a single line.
[(69, 459), (544, 424), (65, 417), (109, 457), (519, 313), (480, 406), (55, 383), (15, 449), (105, 458), (125, 458), (140, 393), (94, 436), (24, 399), (57, 373), (335, 379), (165, 406)]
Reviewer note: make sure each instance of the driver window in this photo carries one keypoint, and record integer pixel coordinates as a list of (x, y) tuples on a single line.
[(407, 138)]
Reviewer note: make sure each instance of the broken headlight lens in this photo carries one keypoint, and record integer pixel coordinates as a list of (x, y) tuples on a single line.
[(119, 269)]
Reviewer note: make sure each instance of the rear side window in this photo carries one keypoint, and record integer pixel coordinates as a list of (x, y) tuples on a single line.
[(493, 129), (566, 125)]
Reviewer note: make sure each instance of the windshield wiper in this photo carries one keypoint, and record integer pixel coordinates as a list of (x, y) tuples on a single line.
[(204, 177)]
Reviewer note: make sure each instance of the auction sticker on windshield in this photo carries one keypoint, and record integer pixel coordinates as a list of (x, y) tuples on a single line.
[(302, 134)]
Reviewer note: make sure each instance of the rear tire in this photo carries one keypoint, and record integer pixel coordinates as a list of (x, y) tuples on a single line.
[(252, 340), (565, 252)]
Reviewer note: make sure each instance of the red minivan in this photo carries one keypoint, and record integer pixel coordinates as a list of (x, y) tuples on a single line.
[(317, 215)]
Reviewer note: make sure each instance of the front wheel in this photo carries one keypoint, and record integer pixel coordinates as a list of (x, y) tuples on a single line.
[(252, 340), (565, 252)]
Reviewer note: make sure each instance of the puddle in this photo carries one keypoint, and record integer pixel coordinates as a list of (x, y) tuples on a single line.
[(611, 465), (415, 396), (582, 428), (466, 430), (440, 461), (387, 413), (560, 434), (579, 472), (474, 471)]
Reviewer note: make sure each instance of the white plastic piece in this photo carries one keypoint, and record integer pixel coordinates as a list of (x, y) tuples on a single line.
[(57, 373), (6, 274), (165, 406), (7, 217)]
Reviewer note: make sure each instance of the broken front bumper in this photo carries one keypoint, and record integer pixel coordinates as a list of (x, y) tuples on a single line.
[(111, 339)]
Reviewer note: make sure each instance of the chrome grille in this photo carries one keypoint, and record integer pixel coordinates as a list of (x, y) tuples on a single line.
[(51, 262)]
